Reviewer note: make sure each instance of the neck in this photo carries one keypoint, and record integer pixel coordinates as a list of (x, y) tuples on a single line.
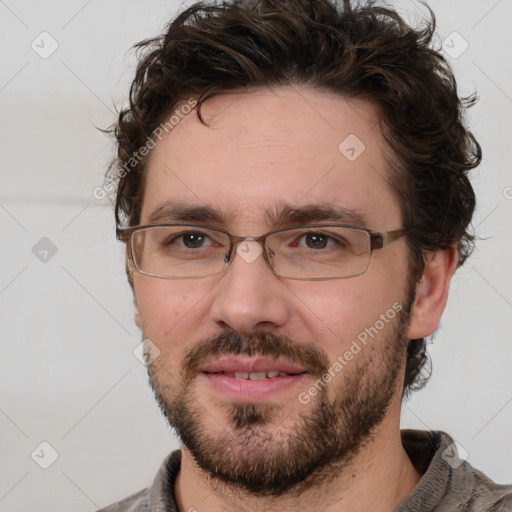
[(378, 479)]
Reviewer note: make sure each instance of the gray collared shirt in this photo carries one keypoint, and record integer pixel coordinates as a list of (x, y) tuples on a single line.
[(448, 484)]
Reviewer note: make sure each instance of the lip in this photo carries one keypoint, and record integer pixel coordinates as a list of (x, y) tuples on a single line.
[(251, 391), (248, 364)]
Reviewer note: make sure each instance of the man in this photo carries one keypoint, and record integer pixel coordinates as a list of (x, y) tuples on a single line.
[(292, 190)]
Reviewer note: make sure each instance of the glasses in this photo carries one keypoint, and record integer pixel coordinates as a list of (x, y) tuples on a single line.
[(313, 252)]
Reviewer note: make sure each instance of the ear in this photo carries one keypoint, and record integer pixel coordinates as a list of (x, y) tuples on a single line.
[(129, 269), (136, 314), (129, 274), (432, 292)]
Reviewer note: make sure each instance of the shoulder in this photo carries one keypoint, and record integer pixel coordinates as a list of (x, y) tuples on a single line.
[(488, 495), (449, 482), (135, 503), (159, 496), (475, 490), (504, 504)]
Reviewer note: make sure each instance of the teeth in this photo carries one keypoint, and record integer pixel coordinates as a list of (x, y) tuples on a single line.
[(255, 375)]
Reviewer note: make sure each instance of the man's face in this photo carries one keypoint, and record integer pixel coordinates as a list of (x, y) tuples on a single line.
[(264, 151)]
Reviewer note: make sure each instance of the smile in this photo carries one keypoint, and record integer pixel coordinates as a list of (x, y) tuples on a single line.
[(254, 375)]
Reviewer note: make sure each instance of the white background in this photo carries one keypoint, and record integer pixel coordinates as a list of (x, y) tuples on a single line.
[(67, 372)]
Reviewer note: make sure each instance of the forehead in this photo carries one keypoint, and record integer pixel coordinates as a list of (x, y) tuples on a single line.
[(269, 149)]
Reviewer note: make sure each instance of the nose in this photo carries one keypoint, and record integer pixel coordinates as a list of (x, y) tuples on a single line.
[(250, 296)]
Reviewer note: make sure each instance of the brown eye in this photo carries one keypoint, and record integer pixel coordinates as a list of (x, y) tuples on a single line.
[(193, 240), (316, 240)]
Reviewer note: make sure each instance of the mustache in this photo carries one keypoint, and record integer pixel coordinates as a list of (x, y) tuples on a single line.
[(265, 344)]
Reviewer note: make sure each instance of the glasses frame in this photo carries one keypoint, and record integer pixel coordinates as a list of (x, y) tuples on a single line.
[(378, 240)]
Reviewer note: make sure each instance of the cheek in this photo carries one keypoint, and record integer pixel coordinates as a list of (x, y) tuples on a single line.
[(167, 309), (336, 313)]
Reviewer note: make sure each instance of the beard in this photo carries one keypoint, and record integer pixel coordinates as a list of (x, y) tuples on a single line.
[(251, 450)]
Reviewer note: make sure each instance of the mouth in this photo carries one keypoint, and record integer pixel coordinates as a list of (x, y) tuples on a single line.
[(252, 368), (249, 379), (254, 375)]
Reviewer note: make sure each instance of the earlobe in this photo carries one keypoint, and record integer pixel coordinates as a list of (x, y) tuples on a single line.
[(432, 292)]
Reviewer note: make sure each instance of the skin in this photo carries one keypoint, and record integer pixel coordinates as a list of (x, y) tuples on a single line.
[(264, 148)]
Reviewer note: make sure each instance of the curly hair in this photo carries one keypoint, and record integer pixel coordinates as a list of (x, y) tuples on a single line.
[(357, 50)]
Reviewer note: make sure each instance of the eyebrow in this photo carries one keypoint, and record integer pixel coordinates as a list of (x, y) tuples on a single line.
[(287, 214), (279, 216), (181, 212)]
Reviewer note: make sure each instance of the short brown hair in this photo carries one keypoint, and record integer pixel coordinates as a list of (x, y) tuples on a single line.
[(360, 51)]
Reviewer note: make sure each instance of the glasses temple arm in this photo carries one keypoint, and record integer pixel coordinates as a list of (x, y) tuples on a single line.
[(379, 240)]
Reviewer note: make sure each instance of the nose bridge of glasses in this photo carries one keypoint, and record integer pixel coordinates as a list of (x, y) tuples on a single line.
[(247, 247)]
